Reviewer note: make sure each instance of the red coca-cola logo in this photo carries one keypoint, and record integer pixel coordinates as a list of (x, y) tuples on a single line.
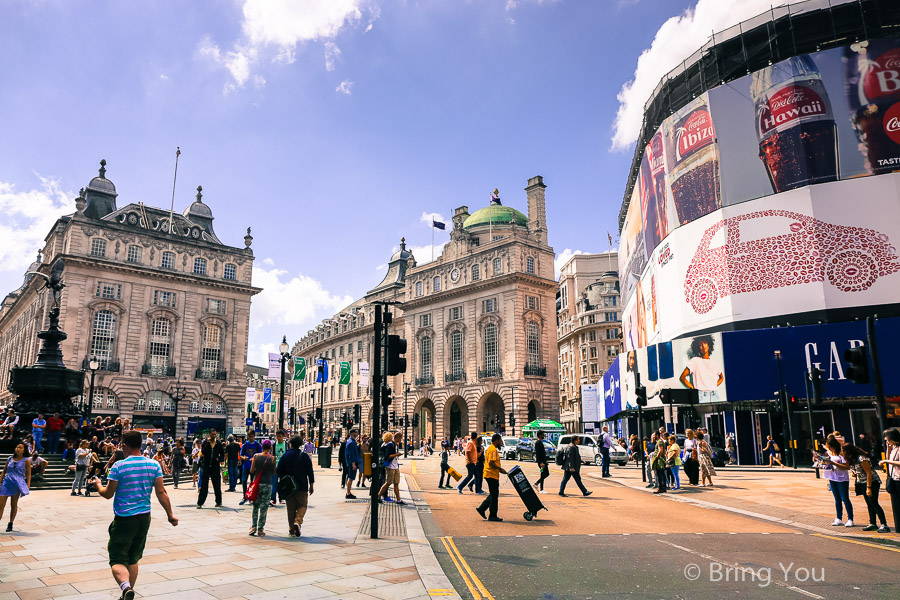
[(790, 104), (892, 123), (881, 76), (697, 132)]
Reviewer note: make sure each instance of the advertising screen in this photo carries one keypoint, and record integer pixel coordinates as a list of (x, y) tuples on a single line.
[(812, 119)]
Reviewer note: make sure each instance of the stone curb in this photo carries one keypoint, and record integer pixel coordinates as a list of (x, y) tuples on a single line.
[(430, 572)]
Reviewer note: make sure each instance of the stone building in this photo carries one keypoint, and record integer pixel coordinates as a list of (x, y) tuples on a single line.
[(258, 379), (589, 327), (156, 298), (479, 321)]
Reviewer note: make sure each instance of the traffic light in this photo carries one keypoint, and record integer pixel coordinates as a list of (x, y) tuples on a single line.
[(779, 407), (641, 393), (357, 413), (415, 420), (293, 414), (386, 397), (512, 419), (857, 364), (318, 413), (815, 376), (396, 348), (249, 410), (384, 420), (393, 417)]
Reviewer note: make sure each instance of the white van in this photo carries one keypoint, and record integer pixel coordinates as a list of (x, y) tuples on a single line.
[(588, 447)]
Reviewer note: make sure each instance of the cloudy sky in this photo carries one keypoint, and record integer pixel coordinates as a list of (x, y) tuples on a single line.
[(332, 127)]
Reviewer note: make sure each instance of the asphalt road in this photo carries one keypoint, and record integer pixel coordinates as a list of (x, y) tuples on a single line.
[(623, 543)]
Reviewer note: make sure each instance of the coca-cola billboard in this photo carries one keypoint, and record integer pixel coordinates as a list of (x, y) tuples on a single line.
[(809, 120)]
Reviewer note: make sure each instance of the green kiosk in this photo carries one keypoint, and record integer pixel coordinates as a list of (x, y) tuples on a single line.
[(552, 430)]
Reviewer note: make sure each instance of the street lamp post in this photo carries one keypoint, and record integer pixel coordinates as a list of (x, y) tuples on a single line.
[(322, 367), (94, 365), (177, 395), (512, 427), (405, 420), (284, 349)]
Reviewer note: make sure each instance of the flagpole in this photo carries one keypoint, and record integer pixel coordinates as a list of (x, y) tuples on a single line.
[(174, 179), (432, 239)]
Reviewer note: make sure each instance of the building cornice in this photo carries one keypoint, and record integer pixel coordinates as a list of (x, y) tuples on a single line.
[(476, 287)]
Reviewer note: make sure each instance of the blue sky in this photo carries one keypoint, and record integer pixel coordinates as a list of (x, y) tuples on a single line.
[(331, 127)]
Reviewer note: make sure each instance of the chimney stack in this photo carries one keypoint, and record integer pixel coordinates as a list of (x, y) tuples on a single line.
[(537, 212)]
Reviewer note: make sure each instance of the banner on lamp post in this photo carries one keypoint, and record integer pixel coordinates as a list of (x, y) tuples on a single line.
[(251, 395), (274, 365), (345, 373), (364, 374), (299, 368)]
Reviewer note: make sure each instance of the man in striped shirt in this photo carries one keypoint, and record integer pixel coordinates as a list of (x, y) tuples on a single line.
[(130, 481)]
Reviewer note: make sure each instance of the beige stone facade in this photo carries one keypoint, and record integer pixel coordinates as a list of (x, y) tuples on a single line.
[(155, 307), (480, 325), (589, 327)]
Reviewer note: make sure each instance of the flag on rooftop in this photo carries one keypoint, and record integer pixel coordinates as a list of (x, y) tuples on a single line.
[(437, 224)]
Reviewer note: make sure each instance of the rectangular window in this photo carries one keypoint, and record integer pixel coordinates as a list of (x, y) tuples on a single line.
[(341, 351), (425, 356), (350, 348), (592, 319), (212, 348), (529, 265), (418, 288), (200, 266), (216, 307), (593, 369), (593, 352), (531, 303), (498, 266), (162, 298), (98, 247), (359, 346), (489, 305), (612, 317), (168, 260), (609, 301), (425, 320), (340, 392), (491, 361), (230, 271), (613, 333), (456, 353), (103, 336), (109, 291), (134, 254), (455, 313), (160, 336), (592, 336), (437, 284)]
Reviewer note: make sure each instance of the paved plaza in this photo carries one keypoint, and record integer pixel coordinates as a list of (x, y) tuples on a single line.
[(59, 550)]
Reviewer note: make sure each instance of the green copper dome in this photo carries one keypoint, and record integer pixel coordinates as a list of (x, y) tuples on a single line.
[(495, 215)]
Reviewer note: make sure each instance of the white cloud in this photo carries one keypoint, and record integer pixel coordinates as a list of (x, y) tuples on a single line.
[(562, 258), (428, 217), (27, 218), (163, 76), (676, 39), (276, 28), (291, 301), (332, 53), (344, 87), (514, 4), (368, 28)]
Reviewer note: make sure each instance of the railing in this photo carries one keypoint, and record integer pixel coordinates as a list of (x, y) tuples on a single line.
[(425, 380), (535, 370), (455, 377), (490, 372), (158, 370), (210, 374), (106, 364)]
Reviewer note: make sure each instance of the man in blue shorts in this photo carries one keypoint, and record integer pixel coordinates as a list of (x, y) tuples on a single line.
[(130, 481)]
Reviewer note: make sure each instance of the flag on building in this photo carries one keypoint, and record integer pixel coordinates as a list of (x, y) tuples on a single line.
[(438, 224), (609, 237)]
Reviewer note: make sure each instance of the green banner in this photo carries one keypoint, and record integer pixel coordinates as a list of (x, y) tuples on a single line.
[(345, 373), (273, 407), (299, 368)]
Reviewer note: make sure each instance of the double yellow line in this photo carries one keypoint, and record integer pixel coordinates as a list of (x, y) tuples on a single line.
[(472, 582)]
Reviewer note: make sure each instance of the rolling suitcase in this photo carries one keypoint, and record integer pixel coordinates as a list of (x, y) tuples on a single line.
[(454, 473), (529, 497)]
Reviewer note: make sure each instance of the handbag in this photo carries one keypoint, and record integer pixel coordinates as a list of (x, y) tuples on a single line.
[(252, 492), (287, 486), (860, 488)]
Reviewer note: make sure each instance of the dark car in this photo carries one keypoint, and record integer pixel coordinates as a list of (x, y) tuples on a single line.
[(720, 457), (525, 449)]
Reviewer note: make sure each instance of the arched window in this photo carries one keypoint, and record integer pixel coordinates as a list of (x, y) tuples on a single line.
[(230, 271), (206, 404), (194, 407), (476, 273), (212, 350), (418, 288), (425, 357), (533, 344), (200, 266), (160, 345), (529, 265), (103, 337), (105, 398), (220, 407), (491, 361), (456, 353)]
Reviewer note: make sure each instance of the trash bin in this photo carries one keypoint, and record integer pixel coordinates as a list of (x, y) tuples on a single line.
[(325, 457)]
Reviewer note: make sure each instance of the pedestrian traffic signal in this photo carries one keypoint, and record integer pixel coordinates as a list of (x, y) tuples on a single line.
[(393, 417), (641, 395), (357, 413), (857, 364), (512, 419), (415, 420), (386, 397), (318, 413), (396, 348)]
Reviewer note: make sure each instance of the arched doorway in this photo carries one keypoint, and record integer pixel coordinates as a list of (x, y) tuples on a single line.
[(456, 417), (532, 411), (491, 413), (426, 429)]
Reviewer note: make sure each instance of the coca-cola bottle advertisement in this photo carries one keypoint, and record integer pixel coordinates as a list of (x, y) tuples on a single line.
[(654, 199), (872, 74), (794, 124), (693, 161)]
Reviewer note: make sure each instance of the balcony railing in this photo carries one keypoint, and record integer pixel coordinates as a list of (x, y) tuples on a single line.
[(106, 364), (490, 372), (424, 380), (535, 370), (210, 374), (158, 370), (455, 377)]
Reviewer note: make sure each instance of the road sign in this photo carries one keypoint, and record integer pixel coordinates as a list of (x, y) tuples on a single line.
[(239, 430), (249, 422)]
